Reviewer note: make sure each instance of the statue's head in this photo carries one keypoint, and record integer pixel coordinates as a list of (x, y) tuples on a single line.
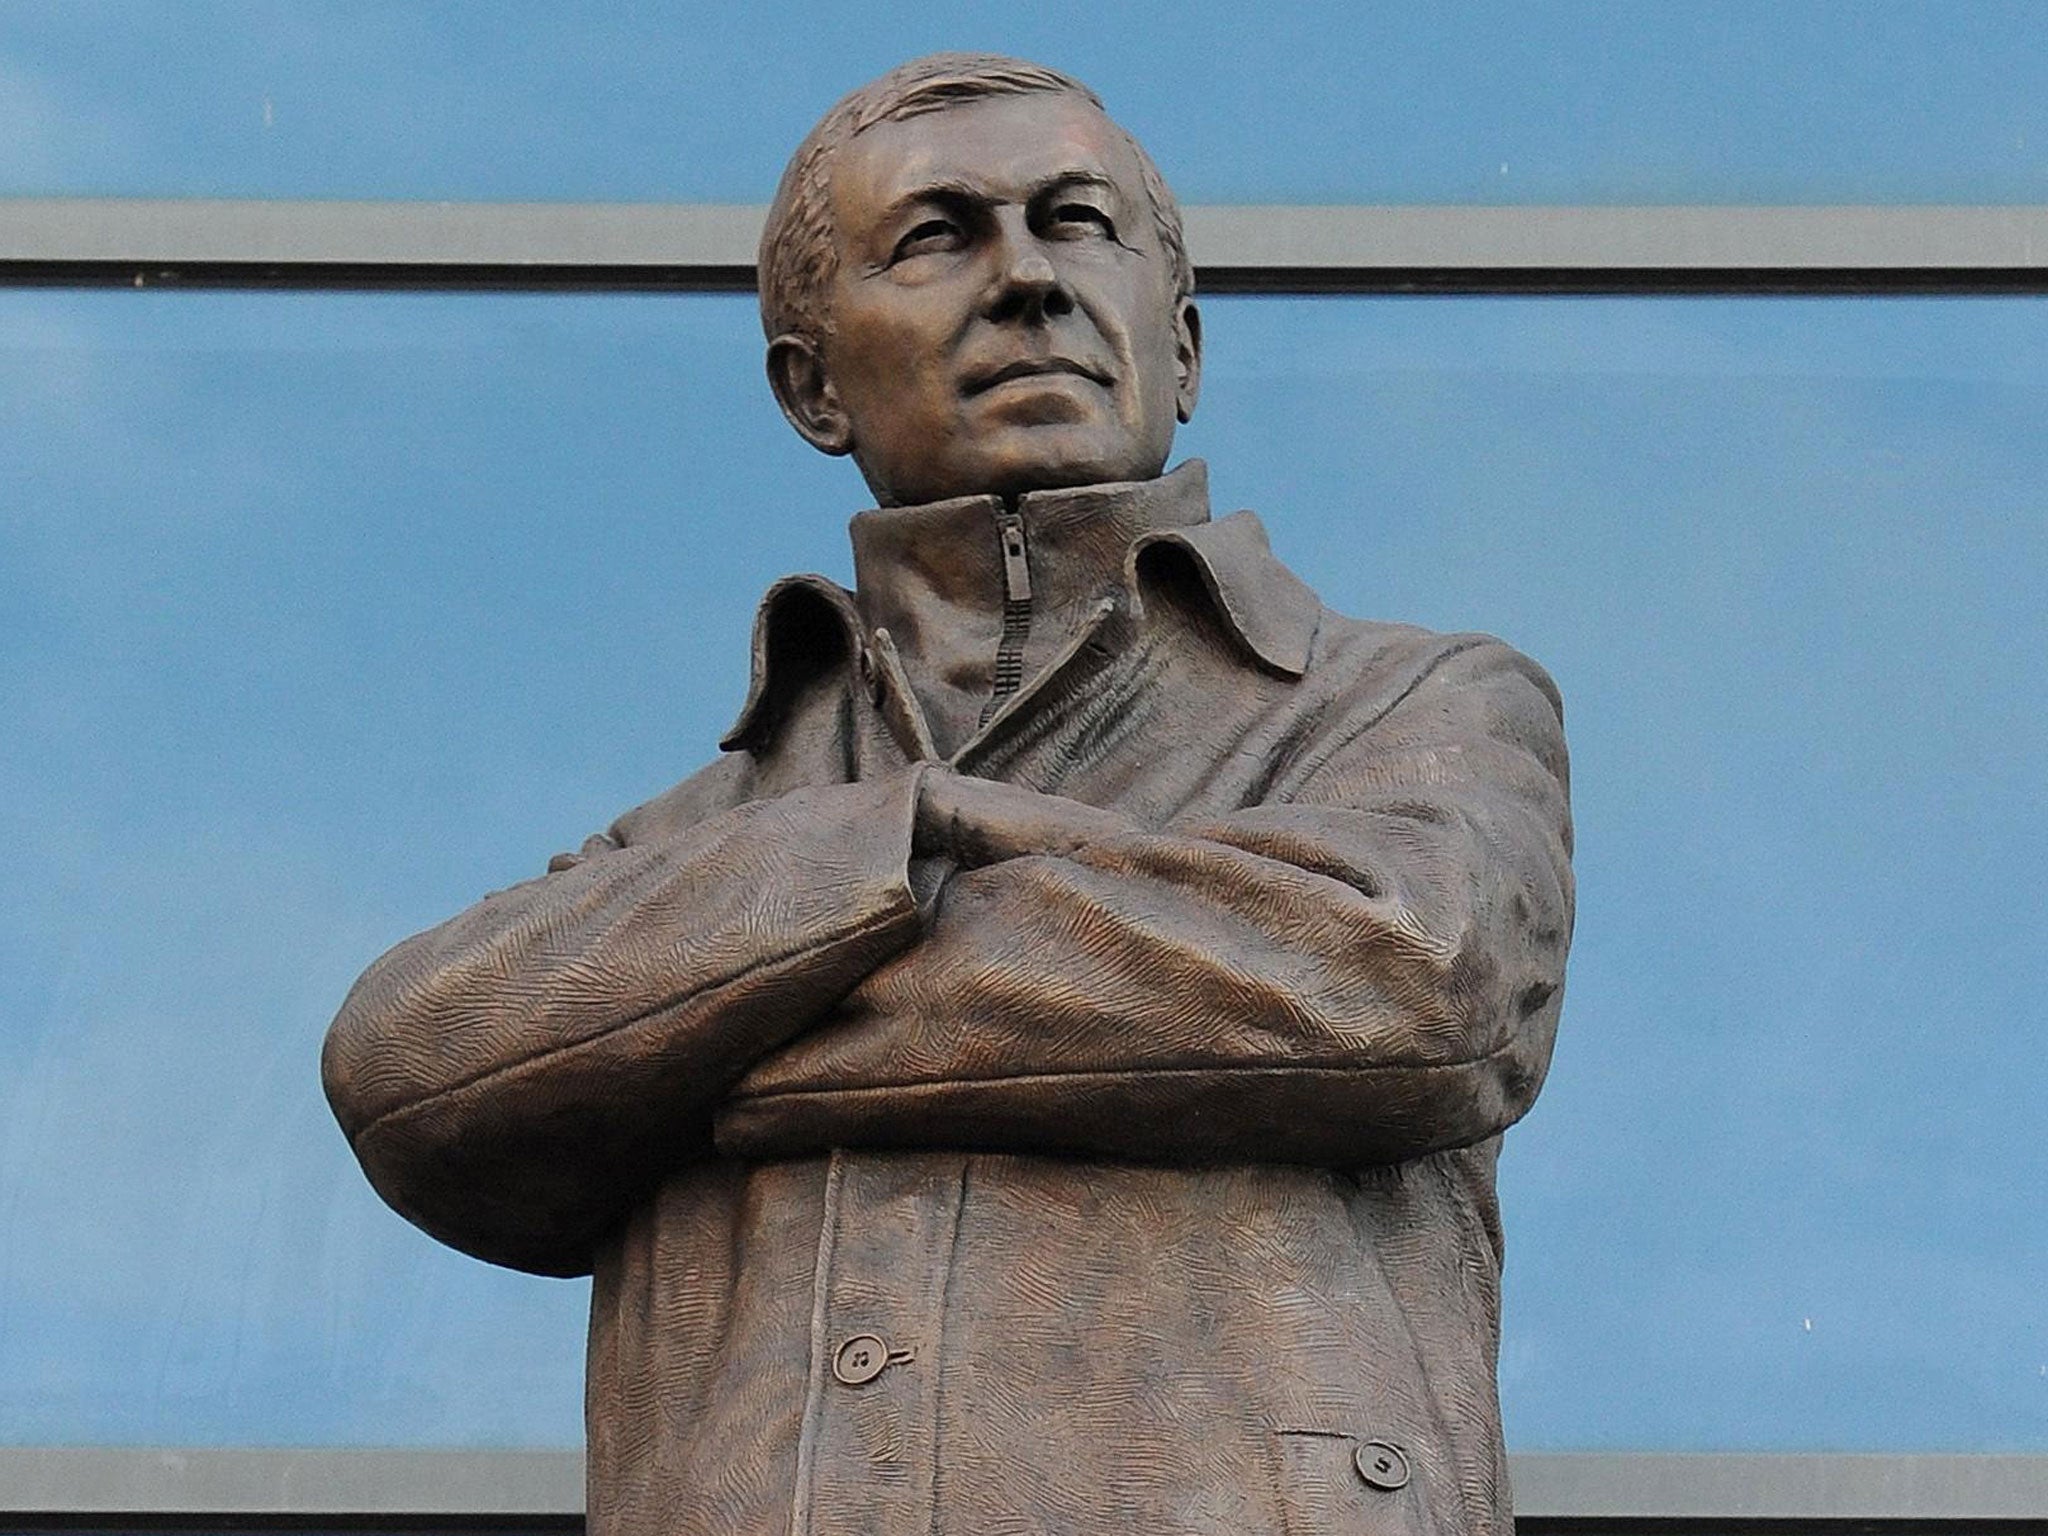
[(974, 282)]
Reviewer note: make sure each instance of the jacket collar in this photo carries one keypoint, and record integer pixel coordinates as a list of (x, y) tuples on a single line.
[(923, 566), (907, 558)]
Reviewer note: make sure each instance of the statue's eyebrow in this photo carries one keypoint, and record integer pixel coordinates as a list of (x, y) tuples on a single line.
[(1060, 180), (953, 193), (956, 193)]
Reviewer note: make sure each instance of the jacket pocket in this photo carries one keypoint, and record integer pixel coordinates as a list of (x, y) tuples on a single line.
[(1336, 1483)]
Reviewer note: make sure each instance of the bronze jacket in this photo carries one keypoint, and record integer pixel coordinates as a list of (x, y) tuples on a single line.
[(1148, 1188)]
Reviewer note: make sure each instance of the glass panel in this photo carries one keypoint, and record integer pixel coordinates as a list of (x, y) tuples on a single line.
[(1495, 102), (326, 614)]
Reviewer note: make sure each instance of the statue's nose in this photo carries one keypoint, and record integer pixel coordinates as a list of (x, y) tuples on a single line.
[(1032, 269), (1028, 284)]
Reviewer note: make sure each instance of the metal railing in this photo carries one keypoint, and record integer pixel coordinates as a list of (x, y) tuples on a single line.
[(1238, 248)]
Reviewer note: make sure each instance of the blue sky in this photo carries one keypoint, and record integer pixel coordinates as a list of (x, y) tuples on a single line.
[(1567, 101), (323, 614), (329, 613)]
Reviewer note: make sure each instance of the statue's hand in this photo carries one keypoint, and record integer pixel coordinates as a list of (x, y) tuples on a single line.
[(981, 821)]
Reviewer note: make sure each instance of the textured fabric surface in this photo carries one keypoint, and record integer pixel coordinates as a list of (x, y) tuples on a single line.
[(1145, 1186)]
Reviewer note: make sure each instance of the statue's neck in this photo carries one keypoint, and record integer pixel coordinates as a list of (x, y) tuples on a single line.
[(978, 593)]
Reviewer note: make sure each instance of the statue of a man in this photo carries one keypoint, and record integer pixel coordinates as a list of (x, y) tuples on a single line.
[(1046, 1076)]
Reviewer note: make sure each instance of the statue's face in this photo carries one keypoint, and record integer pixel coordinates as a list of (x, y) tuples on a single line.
[(1004, 315)]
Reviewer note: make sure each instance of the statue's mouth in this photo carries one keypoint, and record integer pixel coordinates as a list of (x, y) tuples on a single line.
[(1031, 368)]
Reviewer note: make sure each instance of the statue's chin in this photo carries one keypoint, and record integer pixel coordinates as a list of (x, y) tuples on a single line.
[(1033, 432), (1013, 458)]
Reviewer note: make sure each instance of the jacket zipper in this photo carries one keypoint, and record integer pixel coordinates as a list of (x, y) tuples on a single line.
[(1009, 674)]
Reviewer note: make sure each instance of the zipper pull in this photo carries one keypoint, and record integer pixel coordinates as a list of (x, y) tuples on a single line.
[(1016, 567)]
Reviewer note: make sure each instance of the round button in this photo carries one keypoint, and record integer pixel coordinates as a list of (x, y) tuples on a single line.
[(1383, 1466), (860, 1359)]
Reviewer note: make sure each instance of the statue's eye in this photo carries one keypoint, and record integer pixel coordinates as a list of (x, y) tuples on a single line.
[(1081, 219), (927, 237)]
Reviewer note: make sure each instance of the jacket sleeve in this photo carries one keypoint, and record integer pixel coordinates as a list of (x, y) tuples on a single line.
[(514, 1079), (1366, 967)]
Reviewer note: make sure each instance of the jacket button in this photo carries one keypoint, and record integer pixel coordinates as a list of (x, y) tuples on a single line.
[(1382, 1465), (864, 1357)]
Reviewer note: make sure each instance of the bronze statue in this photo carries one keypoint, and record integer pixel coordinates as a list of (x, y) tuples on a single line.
[(1046, 1076)]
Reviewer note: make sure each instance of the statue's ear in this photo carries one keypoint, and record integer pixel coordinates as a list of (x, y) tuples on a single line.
[(1187, 351), (796, 372)]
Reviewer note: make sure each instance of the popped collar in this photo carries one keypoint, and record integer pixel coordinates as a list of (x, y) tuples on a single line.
[(925, 574)]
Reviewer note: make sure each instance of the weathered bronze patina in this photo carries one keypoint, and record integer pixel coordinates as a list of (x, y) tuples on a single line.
[(1046, 1075)]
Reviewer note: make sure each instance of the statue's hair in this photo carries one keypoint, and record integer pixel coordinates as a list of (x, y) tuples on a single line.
[(799, 251)]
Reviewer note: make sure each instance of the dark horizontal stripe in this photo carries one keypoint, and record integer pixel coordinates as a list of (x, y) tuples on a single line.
[(455, 277), (117, 1488)]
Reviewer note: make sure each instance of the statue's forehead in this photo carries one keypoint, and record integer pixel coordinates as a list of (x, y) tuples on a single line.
[(1002, 145)]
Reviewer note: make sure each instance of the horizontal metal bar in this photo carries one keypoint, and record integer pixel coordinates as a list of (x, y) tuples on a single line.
[(1699, 1486), (78, 1480), (1789, 239), (202, 231), (1550, 1486), (1236, 248)]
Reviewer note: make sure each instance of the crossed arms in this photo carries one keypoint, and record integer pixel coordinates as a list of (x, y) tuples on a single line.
[(1363, 968)]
